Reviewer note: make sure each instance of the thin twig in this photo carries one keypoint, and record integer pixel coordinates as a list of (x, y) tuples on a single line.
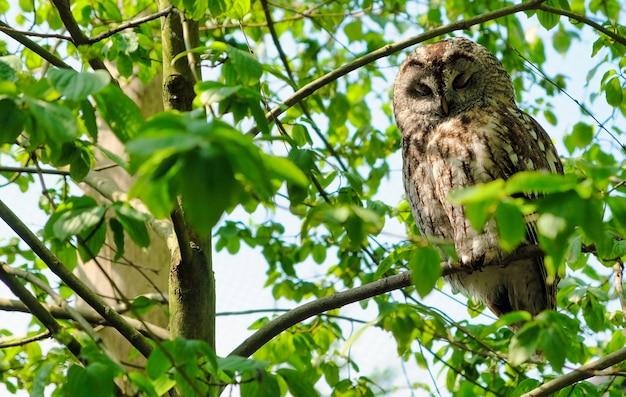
[(10, 305), (78, 36), (305, 14), (74, 314), (8, 29), (128, 25), (576, 101), (69, 278), (618, 267), (583, 19), (34, 47), (581, 373), (39, 311), (12, 341), (108, 189), (340, 299), (387, 50), (29, 170)]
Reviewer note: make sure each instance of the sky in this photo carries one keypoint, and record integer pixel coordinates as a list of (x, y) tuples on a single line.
[(240, 278)]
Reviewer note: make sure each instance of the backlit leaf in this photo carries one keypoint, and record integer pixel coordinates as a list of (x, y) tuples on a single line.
[(119, 112), (425, 266), (76, 86)]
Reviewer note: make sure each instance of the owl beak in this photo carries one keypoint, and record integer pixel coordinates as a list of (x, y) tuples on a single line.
[(444, 106)]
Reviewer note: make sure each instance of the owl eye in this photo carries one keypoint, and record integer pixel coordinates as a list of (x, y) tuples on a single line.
[(461, 81), (421, 90)]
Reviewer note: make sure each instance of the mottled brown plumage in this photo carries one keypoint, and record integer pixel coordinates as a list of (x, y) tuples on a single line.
[(455, 106)]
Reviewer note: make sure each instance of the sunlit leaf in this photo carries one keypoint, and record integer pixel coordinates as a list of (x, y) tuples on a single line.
[(76, 86)]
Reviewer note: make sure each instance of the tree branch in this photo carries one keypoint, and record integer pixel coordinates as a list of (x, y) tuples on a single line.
[(39, 311), (73, 313), (585, 20), (581, 373), (34, 47), (90, 315), (78, 37), (387, 50), (29, 170), (58, 268), (128, 25), (12, 341), (310, 309), (7, 29), (108, 189), (340, 299)]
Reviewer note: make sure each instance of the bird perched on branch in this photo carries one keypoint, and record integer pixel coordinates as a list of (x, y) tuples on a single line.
[(455, 106)]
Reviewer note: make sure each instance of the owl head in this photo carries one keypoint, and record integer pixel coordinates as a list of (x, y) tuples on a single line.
[(445, 79)]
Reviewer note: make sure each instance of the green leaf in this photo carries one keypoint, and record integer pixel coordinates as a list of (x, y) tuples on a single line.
[(242, 68), (581, 137), (561, 41), (156, 194), (75, 216), (208, 189), (613, 92), (134, 223), (240, 364), (284, 170), (524, 344), (163, 384), (258, 114), (235, 9), (299, 134), (77, 86), (550, 116), (82, 162), (525, 386), (425, 266), (89, 118), (142, 383), (10, 67), (593, 313), (264, 385), (478, 193), (41, 378), (120, 113), (297, 384), (213, 92), (56, 121), (92, 241), (118, 237), (511, 225), (158, 363), (11, 119), (547, 19), (96, 377), (110, 10), (393, 258), (530, 182)]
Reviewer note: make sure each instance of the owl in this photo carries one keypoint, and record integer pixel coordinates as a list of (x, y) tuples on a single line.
[(455, 106)]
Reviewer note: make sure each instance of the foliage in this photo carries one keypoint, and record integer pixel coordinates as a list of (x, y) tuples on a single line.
[(325, 156)]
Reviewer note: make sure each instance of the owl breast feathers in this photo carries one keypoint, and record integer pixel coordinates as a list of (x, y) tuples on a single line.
[(455, 106)]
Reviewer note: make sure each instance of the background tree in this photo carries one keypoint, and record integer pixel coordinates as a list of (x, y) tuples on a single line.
[(281, 110)]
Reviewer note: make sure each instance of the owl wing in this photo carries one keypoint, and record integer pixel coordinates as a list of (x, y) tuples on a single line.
[(479, 147)]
